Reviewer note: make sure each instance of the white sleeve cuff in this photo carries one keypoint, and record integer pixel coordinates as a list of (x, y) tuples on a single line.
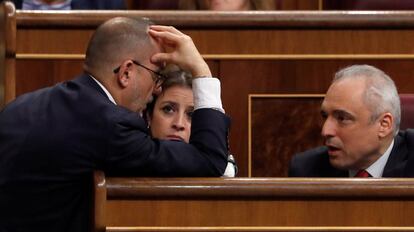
[(207, 91), (230, 170)]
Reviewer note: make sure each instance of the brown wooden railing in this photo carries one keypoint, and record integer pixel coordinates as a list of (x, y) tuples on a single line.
[(253, 204)]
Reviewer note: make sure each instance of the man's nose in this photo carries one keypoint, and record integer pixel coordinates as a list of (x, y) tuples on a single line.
[(328, 128)]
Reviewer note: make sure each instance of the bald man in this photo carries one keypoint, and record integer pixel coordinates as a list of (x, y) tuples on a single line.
[(361, 113), (51, 140)]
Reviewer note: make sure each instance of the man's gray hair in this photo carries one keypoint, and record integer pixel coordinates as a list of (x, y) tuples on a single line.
[(380, 95)]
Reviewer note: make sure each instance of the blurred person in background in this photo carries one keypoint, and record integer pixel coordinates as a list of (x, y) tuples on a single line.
[(70, 4), (226, 5)]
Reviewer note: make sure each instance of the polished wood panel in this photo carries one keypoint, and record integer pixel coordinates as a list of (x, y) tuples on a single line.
[(237, 41), (280, 126), (275, 212), (36, 74), (290, 41), (3, 19), (258, 202), (99, 202), (10, 81), (8, 52), (65, 41)]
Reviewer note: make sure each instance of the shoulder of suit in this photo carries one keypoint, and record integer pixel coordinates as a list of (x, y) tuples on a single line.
[(313, 157), (318, 151), (407, 132), (407, 137)]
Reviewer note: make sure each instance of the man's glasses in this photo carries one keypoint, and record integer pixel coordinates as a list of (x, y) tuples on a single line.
[(156, 76)]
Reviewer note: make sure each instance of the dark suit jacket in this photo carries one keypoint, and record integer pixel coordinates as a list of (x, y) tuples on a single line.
[(51, 140), (315, 162)]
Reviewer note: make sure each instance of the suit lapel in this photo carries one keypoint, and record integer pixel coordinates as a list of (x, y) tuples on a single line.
[(339, 173), (397, 159)]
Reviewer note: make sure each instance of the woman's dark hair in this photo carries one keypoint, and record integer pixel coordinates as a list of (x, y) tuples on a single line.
[(175, 77)]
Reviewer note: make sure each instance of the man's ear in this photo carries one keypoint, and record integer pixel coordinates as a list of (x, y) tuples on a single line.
[(123, 74), (386, 122)]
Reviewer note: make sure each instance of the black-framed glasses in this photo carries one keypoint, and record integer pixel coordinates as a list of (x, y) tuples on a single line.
[(158, 77)]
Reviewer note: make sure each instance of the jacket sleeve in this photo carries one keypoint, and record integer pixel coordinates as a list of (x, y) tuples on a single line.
[(131, 151)]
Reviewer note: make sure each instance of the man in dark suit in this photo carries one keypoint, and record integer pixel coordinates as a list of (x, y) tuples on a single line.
[(51, 140), (362, 115)]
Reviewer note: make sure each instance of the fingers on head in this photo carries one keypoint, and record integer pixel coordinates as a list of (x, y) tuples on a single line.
[(170, 29), (161, 58), (163, 36)]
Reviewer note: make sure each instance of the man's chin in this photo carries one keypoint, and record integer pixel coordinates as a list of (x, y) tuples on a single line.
[(338, 163)]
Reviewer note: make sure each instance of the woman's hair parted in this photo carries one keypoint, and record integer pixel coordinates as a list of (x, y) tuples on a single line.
[(175, 77)]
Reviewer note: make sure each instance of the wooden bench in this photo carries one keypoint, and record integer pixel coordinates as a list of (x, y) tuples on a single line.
[(252, 204)]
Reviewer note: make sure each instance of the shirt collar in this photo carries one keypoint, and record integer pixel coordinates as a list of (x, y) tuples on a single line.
[(104, 89), (377, 168)]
